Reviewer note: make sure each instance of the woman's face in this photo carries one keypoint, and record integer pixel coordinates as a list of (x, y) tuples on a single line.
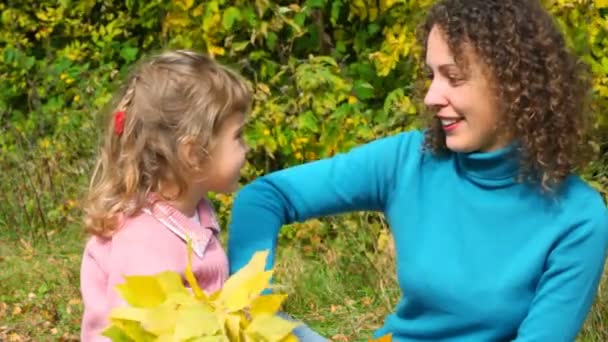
[(463, 100)]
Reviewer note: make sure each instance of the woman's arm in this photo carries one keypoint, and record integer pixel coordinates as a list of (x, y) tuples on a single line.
[(362, 179), (569, 284)]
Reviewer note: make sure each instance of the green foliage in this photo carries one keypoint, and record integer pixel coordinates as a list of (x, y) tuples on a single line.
[(317, 68), (327, 75)]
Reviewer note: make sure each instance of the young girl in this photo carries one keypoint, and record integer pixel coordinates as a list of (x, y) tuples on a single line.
[(175, 135), (496, 238)]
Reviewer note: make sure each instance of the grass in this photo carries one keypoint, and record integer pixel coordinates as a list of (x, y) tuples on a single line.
[(39, 290), (341, 287)]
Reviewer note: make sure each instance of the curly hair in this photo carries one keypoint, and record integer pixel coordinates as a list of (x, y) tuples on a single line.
[(543, 87), (167, 99)]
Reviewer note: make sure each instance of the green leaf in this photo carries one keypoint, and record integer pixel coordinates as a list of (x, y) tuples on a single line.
[(315, 3), (271, 40), (248, 14), (129, 54), (362, 71), (231, 15), (363, 90), (299, 19), (308, 121), (373, 29), (336, 6), (340, 112), (365, 132), (605, 65), (240, 46), (10, 55)]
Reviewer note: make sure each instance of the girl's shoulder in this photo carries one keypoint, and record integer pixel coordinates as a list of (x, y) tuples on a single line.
[(136, 229)]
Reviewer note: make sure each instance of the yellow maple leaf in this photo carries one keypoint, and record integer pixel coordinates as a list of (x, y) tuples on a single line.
[(128, 313), (270, 328), (385, 338), (126, 330), (160, 320), (171, 282), (195, 321), (141, 291), (247, 284), (233, 327), (162, 309), (267, 304)]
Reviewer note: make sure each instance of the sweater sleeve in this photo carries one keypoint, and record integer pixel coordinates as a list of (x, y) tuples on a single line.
[(362, 179), (93, 285), (132, 251), (569, 284)]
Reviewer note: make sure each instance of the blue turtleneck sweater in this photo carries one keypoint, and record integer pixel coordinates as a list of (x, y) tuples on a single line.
[(479, 256)]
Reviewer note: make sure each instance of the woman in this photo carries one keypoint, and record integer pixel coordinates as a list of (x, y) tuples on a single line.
[(496, 239)]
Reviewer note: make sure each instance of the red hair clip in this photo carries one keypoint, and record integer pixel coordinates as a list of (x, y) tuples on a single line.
[(119, 122)]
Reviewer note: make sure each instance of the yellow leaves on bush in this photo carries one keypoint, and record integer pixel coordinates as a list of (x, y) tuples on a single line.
[(162, 309), (370, 9), (399, 42)]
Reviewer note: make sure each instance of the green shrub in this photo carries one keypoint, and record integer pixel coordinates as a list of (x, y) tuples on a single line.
[(327, 74)]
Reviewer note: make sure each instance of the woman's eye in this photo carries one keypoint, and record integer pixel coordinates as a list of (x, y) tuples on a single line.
[(455, 79)]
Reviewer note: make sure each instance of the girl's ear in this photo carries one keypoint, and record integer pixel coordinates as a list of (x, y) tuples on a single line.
[(191, 153)]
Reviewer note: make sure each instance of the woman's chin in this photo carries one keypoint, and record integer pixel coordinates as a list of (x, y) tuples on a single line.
[(459, 145)]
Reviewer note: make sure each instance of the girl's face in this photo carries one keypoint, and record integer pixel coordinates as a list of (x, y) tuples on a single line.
[(227, 156), (464, 102)]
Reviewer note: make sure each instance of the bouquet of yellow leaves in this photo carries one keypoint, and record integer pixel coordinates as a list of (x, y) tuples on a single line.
[(162, 309)]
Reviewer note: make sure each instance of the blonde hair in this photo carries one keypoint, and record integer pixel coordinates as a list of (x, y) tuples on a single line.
[(170, 97)]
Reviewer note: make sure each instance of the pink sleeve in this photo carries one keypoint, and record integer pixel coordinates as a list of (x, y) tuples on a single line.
[(93, 285), (105, 265)]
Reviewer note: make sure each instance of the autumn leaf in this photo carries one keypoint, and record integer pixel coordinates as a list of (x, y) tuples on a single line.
[(128, 314), (267, 304), (141, 291), (385, 338), (162, 309), (196, 321), (270, 328), (233, 327), (130, 329), (237, 298), (189, 275)]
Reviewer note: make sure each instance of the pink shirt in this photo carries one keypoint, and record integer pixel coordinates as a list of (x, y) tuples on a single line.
[(145, 245)]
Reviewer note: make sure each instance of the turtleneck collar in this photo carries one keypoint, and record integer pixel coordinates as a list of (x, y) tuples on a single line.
[(492, 169)]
